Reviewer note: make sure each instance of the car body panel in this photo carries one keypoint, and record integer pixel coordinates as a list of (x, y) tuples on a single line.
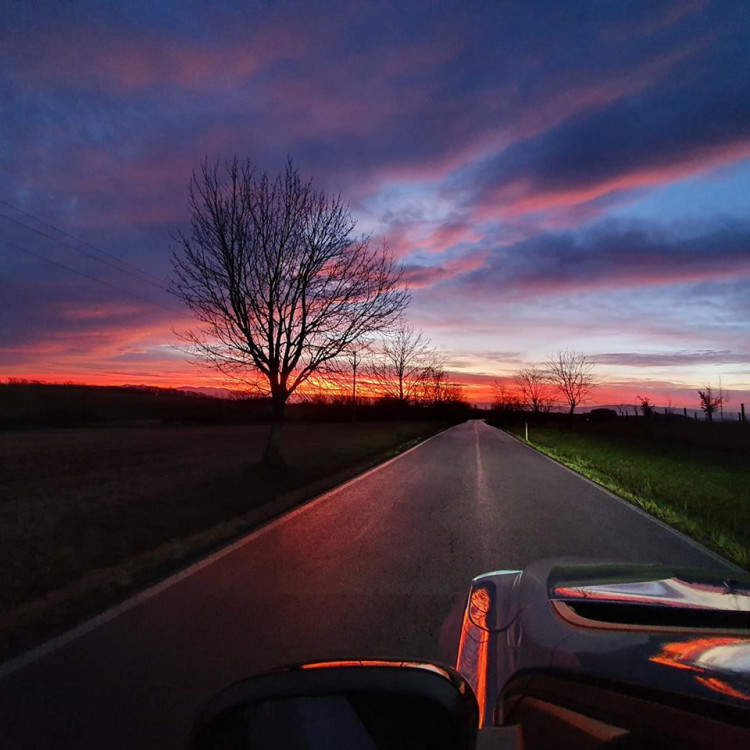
[(543, 619)]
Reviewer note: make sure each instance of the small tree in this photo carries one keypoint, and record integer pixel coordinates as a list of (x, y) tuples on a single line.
[(505, 399), (534, 387), (437, 388), (571, 374), (647, 408), (279, 285), (710, 403), (401, 365)]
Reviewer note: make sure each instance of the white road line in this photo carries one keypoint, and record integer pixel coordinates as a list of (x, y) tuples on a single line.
[(55, 644), (697, 545)]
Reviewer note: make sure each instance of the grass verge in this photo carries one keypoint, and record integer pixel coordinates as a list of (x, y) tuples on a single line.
[(703, 493), (88, 517)]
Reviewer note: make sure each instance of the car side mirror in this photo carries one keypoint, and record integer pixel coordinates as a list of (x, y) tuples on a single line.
[(371, 705)]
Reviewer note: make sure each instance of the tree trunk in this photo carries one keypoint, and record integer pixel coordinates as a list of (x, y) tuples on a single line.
[(272, 456)]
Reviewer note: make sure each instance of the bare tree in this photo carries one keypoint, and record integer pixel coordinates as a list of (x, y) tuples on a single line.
[(506, 399), (437, 388), (533, 384), (277, 282), (710, 403), (400, 366), (570, 373), (647, 408)]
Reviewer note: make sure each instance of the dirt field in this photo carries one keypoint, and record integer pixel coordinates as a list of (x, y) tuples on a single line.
[(80, 508)]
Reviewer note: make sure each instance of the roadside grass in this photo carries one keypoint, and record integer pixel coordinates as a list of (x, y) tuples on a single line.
[(89, 515), (704, 493)]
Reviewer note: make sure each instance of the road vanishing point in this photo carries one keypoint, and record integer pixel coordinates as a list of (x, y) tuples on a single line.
[(370, 569)]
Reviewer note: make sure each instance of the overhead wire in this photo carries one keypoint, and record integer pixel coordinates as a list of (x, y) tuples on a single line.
[(96, 249), (139, 274), (87, 276), (119, 265)]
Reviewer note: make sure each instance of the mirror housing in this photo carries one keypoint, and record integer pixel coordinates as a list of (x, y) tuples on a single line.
[(369, 704)]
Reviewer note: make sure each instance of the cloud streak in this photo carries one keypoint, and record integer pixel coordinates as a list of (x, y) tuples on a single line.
[(497, 148), (612, 257), (673, 359), (657, 137)]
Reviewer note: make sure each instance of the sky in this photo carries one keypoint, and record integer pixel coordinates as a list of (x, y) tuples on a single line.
[(552, 175)]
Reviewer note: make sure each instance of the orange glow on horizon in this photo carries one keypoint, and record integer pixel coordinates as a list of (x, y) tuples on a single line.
[(475, 389)]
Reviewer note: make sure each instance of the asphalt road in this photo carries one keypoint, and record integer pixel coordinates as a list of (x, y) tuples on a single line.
[(369, 570)]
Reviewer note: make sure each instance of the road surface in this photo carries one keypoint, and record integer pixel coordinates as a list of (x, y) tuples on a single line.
[(369, 570)]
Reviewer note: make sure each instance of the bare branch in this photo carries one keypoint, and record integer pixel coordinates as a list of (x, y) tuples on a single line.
[(711, 402), (571, 374), (276, 281), (402, 364), (506, 399), (536, 390)]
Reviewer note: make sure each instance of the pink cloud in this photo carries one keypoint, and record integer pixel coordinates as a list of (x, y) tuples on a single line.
[(109, 189), (427, 236), (522, 197), (450, 234), (108, 311), (417, 277), (533, 284), (662, 17), (124, 61), (506, 121)]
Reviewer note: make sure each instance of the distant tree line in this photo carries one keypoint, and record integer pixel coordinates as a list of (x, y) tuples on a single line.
[(565, 380), (400, 366)]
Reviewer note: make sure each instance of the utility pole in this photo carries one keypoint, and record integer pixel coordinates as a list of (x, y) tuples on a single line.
[(354, 386)]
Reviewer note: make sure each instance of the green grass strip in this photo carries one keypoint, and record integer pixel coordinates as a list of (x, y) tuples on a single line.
[(703, 493)]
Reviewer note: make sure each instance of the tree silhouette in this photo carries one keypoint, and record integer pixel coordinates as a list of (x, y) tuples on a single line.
[(505, 399), (533, 384), (277, 282), (570, 373), (402, 364), (647, 408), (710, 403)]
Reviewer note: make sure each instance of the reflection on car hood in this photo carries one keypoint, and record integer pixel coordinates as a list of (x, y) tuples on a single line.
[(728, 596), (669, 631)]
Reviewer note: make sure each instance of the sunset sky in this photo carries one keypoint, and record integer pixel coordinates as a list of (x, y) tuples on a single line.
[(553, 175)]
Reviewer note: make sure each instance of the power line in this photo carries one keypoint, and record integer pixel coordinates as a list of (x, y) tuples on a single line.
[(83, 252), (88, 276), (155, 280)]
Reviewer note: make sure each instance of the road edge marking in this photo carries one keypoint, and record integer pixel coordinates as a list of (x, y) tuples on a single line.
[(702, 548), (58, 642)]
